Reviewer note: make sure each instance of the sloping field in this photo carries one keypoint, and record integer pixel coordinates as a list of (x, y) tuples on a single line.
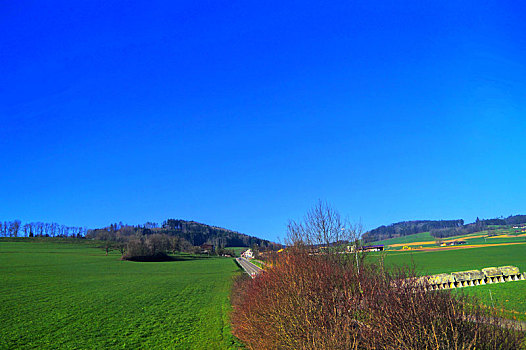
[(424, 237), (73, 296)]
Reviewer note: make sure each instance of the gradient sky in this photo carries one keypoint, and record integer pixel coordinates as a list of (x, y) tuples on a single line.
[(242, 114)]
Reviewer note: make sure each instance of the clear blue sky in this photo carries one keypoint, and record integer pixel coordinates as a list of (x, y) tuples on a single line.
[(242, 114)]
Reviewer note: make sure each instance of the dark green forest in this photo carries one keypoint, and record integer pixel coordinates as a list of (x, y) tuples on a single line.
[(195, 233)]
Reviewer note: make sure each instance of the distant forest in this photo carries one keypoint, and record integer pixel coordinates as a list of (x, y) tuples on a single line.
[(194, 233), (439, 228)]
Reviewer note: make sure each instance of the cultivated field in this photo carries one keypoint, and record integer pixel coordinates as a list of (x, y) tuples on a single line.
[(71, 295), (424, 240)]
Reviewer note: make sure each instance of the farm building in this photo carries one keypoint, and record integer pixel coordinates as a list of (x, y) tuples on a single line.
[(456, 243), (446, 244), (367, 248), (372, 248)]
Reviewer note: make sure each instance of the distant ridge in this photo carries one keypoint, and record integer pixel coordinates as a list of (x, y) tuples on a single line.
[(438, 228), (194, 232)]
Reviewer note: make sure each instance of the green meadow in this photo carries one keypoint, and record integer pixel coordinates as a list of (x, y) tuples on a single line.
[(509, 296), (71, 295)]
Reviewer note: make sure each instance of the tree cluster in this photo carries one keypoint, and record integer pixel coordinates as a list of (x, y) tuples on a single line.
[(16, 228), (198, 233), (477, 226), (151, 241)]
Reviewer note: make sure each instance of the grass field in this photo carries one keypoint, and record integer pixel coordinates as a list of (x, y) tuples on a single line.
[(417, 237), (511, 295), (73, 296)]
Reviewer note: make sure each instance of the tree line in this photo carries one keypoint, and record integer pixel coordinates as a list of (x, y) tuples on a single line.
[(16, 228), (193, 232), (405, 228), (479, 225)]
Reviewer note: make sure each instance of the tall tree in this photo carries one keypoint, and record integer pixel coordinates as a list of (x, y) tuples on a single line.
[(26, 230), (14, 228)]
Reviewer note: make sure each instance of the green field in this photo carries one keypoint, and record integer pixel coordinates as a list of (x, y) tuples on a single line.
[(445, 261), (510, 295), (73, 296), (417, 237)]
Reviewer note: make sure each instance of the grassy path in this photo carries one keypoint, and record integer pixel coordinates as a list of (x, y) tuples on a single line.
[(73, 296)]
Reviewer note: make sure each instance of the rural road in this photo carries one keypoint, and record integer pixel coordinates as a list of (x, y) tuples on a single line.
[(249, 268)]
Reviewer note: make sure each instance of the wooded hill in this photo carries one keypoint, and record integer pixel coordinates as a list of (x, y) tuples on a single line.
[(194, 232), (439, 228)]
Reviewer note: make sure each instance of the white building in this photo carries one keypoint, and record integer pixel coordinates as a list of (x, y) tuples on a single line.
[(247, 254)]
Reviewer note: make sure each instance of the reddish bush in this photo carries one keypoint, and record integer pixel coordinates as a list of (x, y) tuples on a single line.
[(324, 302)]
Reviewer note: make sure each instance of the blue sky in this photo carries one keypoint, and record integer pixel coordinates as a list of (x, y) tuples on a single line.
[(243, 114)]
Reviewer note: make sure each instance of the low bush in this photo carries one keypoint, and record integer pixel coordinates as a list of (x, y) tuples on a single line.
[(308, 301)]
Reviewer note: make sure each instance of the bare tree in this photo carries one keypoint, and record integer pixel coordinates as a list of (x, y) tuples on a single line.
[(14, 227), (324, 231), (322, 225), (27, 228), (40, 227), (47, 229), (33, 228)]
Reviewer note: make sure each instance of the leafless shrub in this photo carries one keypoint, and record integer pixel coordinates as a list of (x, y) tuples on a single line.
[(326, 301)]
